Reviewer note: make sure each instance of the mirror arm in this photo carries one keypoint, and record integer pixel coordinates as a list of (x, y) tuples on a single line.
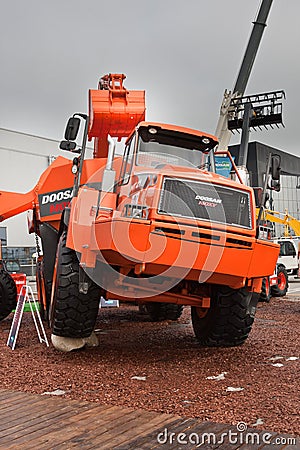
[(263, 198), (83, 148)]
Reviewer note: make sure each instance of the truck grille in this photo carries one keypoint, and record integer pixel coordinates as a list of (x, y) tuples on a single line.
[(205, 201)]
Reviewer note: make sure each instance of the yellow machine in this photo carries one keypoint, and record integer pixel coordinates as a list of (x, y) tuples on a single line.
[(289, 222)]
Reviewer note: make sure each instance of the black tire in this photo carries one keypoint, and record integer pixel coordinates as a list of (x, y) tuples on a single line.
[(72, 313), (280, 289), (8, 294), (265, 294), (163, 311), (229, 319)]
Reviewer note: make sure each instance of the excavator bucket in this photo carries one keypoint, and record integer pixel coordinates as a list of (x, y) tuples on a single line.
[(113, 110)]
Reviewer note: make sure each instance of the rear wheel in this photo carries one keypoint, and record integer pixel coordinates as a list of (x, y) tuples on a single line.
[(229, 319), (265, 294), (282, 286), (72, 313), (8, 294), (163, 311)]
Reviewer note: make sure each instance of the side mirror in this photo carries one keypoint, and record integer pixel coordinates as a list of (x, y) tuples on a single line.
[(275, 167), (67, 145), (273, 185), (72, 128)]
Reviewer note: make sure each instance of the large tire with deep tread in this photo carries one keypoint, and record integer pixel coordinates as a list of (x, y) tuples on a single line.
[(280, 289), (229, 319), (163, 311), (8, 294), (265, 294), (72, 313)]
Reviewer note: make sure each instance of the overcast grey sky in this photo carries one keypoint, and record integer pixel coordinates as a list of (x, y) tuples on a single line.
[(184, 53)]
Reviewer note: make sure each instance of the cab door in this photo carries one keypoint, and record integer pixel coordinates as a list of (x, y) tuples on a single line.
[(288, 256)]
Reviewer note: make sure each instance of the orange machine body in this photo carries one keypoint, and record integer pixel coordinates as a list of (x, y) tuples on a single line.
[(134, 228), (197, 250)]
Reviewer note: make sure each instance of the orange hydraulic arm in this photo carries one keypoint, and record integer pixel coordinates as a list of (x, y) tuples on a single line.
[(56, 177), (12, 203)]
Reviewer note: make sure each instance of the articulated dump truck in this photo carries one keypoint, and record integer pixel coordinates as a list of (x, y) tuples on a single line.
[(153, 225)]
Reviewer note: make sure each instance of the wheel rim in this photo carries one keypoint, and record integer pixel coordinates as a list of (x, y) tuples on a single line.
[(281, 281)]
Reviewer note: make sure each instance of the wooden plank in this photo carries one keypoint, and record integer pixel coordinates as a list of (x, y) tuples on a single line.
[(5, 395), (27, 428), (182, 430), (149, 440), (25, 398), (43, 414), (76, 428), (87, 436), (30, 407), (13, 399), (111, 412), (121, 434), (55, 433), (44, 434), (25, 410), (38, 422)]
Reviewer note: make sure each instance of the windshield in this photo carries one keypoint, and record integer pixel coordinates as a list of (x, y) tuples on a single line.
[(153, 154)]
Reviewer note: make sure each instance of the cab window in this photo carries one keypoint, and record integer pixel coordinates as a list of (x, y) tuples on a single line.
[(127, 161)]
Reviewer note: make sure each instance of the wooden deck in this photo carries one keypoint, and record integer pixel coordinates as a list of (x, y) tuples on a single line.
[(46, 422)]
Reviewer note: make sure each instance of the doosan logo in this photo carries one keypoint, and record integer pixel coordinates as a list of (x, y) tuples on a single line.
[(57, 196), (210, 202)]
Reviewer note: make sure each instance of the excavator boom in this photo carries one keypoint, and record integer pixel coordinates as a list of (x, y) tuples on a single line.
[(285, 219)]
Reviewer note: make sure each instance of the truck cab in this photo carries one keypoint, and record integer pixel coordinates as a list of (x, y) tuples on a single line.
[(288, 255)]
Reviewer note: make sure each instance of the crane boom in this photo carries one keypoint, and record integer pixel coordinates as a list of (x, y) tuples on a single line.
[(222, 132)]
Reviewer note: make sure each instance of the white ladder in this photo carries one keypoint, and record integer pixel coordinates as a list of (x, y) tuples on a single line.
[(26, 295)]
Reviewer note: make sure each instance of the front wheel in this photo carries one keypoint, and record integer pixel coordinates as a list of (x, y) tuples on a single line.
[(281, 288), (72, 313), (229, 319)]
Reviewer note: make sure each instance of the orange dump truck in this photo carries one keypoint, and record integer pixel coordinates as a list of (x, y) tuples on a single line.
[(153, 225)]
